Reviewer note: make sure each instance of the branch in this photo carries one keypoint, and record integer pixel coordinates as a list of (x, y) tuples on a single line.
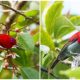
[(18, 12), (46, 71), (11, 18)]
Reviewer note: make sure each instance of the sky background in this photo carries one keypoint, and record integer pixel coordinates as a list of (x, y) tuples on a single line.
[(70, 5), (73, 6)]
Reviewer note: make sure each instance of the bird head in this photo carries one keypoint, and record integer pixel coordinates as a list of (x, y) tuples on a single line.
[(75, 36), (13, 41)]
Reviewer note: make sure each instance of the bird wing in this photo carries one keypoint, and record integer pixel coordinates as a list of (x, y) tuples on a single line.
[(62, 55)]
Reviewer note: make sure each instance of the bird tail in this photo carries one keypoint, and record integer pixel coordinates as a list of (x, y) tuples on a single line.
[(54, 63)]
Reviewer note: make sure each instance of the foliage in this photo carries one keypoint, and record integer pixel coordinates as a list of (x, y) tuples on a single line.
[(26, 52), (54, 27)]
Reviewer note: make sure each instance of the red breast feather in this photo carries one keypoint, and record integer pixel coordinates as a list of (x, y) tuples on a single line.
[(5, 41)]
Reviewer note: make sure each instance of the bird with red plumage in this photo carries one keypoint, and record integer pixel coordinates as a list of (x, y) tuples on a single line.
[(6, 41), (71, 48)]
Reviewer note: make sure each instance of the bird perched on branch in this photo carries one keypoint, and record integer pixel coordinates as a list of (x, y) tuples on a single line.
[(71, 48), (6, 41)]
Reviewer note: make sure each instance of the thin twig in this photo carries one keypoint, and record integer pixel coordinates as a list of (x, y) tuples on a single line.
[(12, 17), (18, 12)]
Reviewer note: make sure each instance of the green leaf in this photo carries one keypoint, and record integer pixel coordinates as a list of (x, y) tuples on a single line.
[(60, 67), (53, 11), (75, 20), (1, 62), (74, 73), (3, 17), (62, 27), (6, 74), (21, 59), (47, 60), (43, 5), (46, 39), (21, 21), (25, 41), (30, 13), (29, 73), (24, 58), (36, 37)]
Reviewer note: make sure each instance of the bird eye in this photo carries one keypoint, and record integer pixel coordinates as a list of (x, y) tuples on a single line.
[(13, 41)]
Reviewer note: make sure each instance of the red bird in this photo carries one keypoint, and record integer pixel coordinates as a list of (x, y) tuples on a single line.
[(6, 41), (70, 48)]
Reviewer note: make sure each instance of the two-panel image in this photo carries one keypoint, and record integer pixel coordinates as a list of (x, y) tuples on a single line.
[(39, 39)]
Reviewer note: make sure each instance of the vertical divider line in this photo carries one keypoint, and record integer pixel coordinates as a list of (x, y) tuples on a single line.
[(39, 39)]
